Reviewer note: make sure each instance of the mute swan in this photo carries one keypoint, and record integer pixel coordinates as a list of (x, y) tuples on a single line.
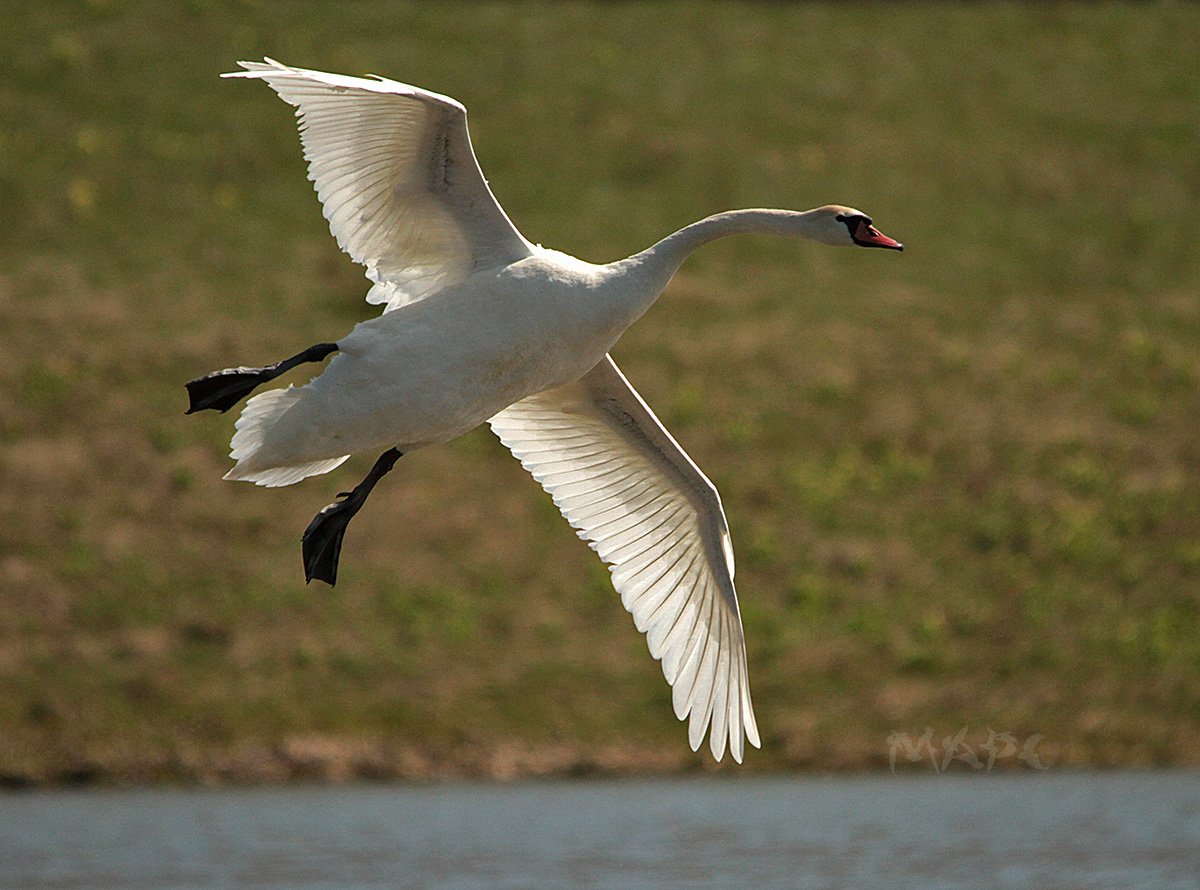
[(479, 324)]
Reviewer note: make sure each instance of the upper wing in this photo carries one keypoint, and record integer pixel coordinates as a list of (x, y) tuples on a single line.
[(394, 169), (620, 478)]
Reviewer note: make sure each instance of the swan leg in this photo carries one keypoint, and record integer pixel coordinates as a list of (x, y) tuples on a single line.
[(221, 390), (322, 541)]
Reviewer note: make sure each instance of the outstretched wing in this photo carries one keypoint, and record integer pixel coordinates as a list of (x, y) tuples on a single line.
[(395, 172), (640, 502)]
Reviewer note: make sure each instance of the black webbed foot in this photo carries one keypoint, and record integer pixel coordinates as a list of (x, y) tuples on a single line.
[(322, 540), (221, 390)]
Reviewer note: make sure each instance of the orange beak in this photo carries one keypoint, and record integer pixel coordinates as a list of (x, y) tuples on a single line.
[(866, 235)]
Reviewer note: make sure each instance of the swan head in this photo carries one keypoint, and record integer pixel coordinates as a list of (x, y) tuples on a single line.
[(847, 227)]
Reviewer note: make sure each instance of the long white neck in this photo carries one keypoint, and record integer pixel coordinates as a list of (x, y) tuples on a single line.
[(649, 272)]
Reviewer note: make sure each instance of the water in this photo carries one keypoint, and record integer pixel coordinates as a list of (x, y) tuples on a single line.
[(1043, 830)]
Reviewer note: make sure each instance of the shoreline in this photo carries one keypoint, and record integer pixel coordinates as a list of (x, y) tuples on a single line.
[(326, 759)]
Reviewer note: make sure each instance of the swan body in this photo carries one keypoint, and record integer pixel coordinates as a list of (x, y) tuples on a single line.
[(433, 369), (480, 325)]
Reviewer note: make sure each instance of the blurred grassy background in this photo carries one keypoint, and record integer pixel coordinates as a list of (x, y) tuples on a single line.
[(962, 481)]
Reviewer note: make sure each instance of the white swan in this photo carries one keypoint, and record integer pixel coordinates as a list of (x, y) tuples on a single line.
[(478, 325)]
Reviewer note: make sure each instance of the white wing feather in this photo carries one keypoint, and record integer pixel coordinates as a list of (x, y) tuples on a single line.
[(641, 503), (397, 178)]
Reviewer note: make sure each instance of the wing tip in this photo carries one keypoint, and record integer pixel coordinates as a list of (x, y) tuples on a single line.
[(751, 729), (717, 746), (255, 69), (375, 83)]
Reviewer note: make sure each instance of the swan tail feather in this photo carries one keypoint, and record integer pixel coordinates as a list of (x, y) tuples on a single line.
[(259, 416)]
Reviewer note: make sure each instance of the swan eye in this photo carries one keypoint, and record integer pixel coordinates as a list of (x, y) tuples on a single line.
[(850, 222)]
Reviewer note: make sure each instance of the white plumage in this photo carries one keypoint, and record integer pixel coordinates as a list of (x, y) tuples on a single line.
[(398, 180), (480, 325), (638, 500)]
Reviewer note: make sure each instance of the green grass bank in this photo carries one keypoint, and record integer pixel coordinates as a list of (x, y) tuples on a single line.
[(963, 482)]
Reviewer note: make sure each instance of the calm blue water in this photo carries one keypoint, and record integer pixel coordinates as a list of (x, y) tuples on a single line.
[(1042, 830)]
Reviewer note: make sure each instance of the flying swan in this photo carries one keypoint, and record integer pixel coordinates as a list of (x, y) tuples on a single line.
[(479, 324)]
